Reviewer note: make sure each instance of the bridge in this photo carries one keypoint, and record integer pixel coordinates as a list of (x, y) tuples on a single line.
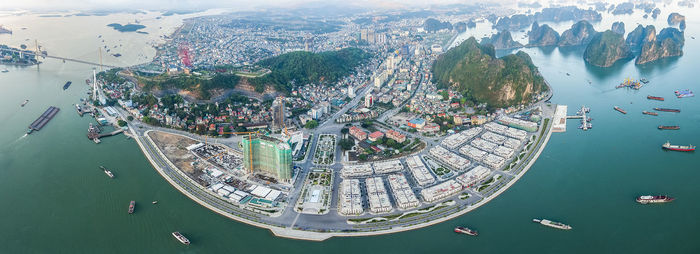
[(35, 54)]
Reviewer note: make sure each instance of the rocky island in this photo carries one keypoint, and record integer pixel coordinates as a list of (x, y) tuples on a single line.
[(618, 27), (606, 48), (675, 18), (127, 27), (474, 70), (579, 34), (502, 40), (542, 35), (668, 43)]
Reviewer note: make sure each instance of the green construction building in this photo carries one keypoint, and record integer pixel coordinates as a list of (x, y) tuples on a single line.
[(271, 156)]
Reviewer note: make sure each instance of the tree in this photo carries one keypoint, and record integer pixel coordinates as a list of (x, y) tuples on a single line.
[(121, 123), (129, 118), (311, 124), (344, 131), (346, 143), (391, 143), (363, 157)]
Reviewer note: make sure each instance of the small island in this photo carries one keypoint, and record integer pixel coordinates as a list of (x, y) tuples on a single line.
[(127, 27), (606, 48)]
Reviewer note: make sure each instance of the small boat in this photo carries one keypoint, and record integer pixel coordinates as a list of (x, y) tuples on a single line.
[(654, 199), (181, 238), (67, 85), (684, 93), (669, 127), (620, 110), (668, 146), (132, 204), (24, 103), (668, 110), (155, 202), (553, 224), (655, 98), (650, 113), (644, 80), (466, 231), (5, 71), (109, 173)]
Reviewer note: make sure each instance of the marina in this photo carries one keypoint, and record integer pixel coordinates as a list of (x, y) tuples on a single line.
[(43, 119)]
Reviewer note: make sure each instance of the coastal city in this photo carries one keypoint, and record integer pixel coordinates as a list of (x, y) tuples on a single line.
[(315, 125)]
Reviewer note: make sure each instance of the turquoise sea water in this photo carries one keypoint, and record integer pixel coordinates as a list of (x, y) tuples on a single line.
[(56, 200)]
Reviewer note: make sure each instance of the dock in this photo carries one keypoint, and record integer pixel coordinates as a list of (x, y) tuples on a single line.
[(43, 119), (95, 135), (560, 117)]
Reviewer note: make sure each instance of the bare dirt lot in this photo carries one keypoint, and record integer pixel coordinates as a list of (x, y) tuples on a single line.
[(175, 149)]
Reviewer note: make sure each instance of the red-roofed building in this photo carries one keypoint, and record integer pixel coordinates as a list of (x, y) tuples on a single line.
[(396, 136), (374, 136), (358, 133)]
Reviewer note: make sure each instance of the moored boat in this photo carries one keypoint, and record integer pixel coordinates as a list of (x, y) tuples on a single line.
[(684, 93), (669, 127), (466, 231), (650, 113), (132, 204), (181, 238), (655, 98), (620, 110), (668, 110), (553, 224), (649, 199), (668, 146)]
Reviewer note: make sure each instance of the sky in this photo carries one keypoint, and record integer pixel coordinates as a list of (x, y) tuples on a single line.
[(205, 4)]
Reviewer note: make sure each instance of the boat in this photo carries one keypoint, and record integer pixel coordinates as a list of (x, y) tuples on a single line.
[(109, 173), (620, 110), (5, 71), (684, 93), (67, 85), (669, 127), (553, 224), (654, 199), (24, 103), (655, 98), (131, 206), (668, 110), (668, 146), (466, 231), (650, 113), (155, 202), (644, 80), (181, 238)]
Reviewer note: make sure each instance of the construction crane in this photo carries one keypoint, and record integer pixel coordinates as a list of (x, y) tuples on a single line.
[(250, 145)]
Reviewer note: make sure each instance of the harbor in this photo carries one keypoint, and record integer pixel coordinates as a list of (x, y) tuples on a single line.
[(560, 118)]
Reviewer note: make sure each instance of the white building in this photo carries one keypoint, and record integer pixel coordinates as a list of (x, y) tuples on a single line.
[(356, 170), (474, 176), (448, 158), (483, 145), (504, 152), (389, 166), (494, 161), (473, 153), (350, 199), (493, 138), (441, 191), (403, 194), (419, 171), (377, 196)]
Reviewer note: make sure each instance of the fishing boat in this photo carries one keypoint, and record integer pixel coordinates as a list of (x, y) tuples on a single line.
[(650, 113), (24, 103), (466, 231), (553, 224), (620, 110), (132, 205)]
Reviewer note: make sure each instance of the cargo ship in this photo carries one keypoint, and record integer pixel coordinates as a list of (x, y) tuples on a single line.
[(684, 93), (668, 110), (669, 127), (43, 119), (131, 206), (466, 231), (621, 110), (554, 224), (24, 103), (655, 98), (668, 146), (650, 113), (67, 85), (181, 238), (109, 173), (654, 199)]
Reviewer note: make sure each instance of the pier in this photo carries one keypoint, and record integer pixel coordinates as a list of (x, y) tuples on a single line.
[(94, 133), (560, 117)]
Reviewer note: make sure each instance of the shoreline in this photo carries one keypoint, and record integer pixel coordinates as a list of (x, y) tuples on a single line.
[(287, 232)]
